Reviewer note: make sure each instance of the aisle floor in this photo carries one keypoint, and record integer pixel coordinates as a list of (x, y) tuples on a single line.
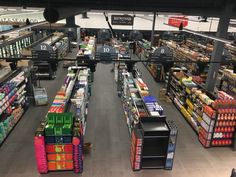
[(107, 130)]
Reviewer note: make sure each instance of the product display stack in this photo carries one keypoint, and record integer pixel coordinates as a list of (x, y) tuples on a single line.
[(13, 100), (211, 116), (153, 139), (59, 138), (222, 115)]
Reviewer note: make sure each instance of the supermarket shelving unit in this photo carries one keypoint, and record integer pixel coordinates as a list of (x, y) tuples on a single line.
[(49, 50), (212, 116), (152, 138), (13, 101), (14, 43)]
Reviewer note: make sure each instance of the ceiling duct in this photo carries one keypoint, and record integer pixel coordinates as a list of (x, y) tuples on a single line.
[(53, 15)]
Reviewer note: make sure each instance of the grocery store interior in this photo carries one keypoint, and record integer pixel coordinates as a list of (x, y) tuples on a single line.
[(117, 88)]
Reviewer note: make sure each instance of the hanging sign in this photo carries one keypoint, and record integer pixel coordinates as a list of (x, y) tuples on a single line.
[(177, 20), (162, 51), (122, 20), (43, 47), (106, 53)]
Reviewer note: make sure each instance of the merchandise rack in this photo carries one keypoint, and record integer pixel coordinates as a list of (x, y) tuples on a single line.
[(143, 49), (211, 116), (59, 138), (228, 82), (13, 101), (53, 48), (15, 42), (153, 139)]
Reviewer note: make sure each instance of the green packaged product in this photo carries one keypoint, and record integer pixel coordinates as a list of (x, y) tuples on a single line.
[(68, 118), (67, 129), (49, 130), (59, 119), (58, 130), (51, 118)]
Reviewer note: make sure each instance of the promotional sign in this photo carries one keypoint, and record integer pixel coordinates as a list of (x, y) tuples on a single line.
[(176, 21), (122, 20)]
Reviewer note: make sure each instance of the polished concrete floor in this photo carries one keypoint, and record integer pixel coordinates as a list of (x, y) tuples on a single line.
[(106, 129)]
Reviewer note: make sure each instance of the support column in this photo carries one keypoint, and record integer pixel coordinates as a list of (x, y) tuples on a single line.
[(218, 48), (153, 28), (70, 21)]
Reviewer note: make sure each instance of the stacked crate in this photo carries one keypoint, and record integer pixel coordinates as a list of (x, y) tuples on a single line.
[(59, 144), (58, 132)]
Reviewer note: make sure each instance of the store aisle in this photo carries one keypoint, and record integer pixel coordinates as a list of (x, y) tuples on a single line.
[(106, 129), (17, 152)]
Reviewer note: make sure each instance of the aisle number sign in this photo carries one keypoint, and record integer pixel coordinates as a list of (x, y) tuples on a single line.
[(162, 51), (106, 53), (43, 47)]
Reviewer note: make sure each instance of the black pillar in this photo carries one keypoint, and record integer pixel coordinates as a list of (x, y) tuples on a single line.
[(218, 48)]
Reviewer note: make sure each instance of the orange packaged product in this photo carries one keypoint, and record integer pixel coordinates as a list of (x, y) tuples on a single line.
[(52, 166), (61, 165), (69, 165)]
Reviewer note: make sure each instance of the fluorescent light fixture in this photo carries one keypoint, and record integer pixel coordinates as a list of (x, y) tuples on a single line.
[(29, 10), (94, 13), (10, 9), (139, 15), (150, 15)]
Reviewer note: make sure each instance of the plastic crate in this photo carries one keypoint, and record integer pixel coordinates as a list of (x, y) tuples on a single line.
[(68, 118), (59, 157), (59, 119), (68, 148), (57, 130), (61, 165), (49, 130), (59, 139), (51, 118), (67, 129), (50, 139)]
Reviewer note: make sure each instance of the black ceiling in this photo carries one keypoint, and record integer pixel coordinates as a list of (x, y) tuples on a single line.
[(188, 7)]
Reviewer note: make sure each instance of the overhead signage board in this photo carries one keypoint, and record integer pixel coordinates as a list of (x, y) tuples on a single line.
[(162, 51), (106, 53), (177, 20), (43, 47), (122, 20)]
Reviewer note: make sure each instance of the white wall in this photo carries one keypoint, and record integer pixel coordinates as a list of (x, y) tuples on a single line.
[(23, 16), (97, 20)]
